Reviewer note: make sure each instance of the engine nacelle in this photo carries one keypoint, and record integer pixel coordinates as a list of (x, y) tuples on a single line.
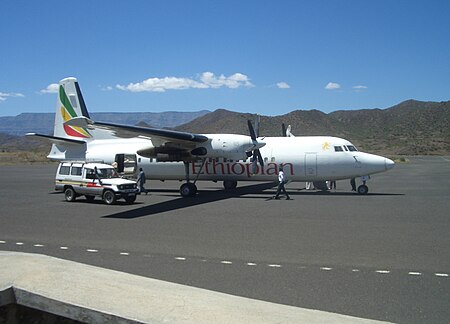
[(230, 146)]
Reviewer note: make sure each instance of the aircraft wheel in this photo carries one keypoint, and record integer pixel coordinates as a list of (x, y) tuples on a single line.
[(109, 197), (188, 189), (363, 190), (70, 194), (229, 184)]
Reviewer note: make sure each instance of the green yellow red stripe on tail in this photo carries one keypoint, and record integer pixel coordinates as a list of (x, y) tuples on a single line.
[(67, 113)]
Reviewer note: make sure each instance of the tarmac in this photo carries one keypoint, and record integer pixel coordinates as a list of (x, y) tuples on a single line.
[(383, 256), (95, 295)]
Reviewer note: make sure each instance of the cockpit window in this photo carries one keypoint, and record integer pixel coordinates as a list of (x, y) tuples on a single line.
[(338, 149), (351, 148)]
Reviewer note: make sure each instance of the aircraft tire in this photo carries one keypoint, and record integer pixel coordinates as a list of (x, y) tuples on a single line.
[(188, 189), (229, 184), (70, 194), (109, 197), (363, 190)]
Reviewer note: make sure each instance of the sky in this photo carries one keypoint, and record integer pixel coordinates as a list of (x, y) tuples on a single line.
[(266, 57)]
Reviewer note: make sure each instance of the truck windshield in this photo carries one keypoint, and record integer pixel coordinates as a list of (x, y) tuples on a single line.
[(107, 173)]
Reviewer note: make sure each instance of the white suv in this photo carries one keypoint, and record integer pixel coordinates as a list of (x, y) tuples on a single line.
[(93, 179)]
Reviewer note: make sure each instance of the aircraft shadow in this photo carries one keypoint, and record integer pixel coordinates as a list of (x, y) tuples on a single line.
[(203, 198)]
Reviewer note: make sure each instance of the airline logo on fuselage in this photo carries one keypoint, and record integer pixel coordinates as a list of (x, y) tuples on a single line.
[(241, 168)]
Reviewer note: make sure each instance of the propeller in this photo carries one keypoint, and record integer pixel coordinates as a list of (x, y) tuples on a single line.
[(257, 157)]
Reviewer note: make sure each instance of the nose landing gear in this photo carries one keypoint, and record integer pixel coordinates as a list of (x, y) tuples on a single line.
[(363, 189)]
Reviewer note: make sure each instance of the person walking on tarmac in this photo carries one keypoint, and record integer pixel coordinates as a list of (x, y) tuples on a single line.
[(281, 182), (141, 181)]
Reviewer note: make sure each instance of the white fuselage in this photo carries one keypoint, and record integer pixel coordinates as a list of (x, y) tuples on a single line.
[(309, 158)]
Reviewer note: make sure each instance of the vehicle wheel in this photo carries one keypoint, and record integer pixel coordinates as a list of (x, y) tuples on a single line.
[(130, 199), (363, 190), (108, 197), (229, 184), (188, 189), (90, 198), (70, 194)]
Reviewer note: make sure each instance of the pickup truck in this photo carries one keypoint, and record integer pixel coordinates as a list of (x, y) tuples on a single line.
[(93, 179)]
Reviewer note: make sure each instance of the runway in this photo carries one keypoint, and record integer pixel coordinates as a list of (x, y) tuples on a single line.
[(382, 256)]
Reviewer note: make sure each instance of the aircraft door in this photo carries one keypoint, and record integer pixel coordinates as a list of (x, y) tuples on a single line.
[(311, 164), (126, 163)]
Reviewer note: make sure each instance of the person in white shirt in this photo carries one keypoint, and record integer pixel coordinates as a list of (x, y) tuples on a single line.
[(281, 182)]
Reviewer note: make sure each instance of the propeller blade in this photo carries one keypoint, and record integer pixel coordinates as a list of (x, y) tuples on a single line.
[(257, 122), (260, 159), (251, 130), (283, 130)]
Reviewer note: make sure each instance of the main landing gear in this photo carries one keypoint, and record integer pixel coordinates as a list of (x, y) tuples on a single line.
[(189, 189)]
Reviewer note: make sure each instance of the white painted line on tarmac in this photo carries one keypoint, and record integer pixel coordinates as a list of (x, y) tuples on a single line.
[(19, 243), (124, 253), (356, 270), (2, 242), (226, 262), (38, 245), (383, 271), (412, 273), (180, 259), (326, 268), (63, 248), (251, 264), (274, 265), (92, 250), (441, 274)]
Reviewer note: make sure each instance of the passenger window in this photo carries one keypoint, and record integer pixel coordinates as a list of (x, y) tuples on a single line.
[(272, 159), (64, 170), (76, 171), (338, 149)]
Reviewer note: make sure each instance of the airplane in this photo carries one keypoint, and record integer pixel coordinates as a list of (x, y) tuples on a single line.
[(172, 155)]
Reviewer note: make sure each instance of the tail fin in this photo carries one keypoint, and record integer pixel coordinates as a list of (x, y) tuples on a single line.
[(70, 104)]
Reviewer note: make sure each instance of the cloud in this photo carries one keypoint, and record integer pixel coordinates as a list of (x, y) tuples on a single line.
[(206, 80), (360, 87), (332, 86), (283, 85), (51, 88), (4, 95)]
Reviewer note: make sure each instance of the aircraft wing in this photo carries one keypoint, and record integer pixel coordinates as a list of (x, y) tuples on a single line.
[(157, 135)]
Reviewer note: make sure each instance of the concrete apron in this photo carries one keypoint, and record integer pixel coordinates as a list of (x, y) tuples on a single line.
[(92, 294)]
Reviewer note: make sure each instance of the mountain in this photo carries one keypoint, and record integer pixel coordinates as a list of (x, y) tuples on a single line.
[(411, 127), (43, 122)]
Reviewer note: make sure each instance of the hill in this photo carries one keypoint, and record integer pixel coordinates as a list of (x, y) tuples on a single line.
[(410, 128), (43, 122)]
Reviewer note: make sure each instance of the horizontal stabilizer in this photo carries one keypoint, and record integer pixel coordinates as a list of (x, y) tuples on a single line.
[(56, 139)]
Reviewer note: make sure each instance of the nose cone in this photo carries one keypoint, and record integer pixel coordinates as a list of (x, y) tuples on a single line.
[(389, 164)]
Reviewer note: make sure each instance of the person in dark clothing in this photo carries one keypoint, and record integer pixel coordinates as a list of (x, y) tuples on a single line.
[(141, 181), (281, 182), (333, 184), (353, 183)]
